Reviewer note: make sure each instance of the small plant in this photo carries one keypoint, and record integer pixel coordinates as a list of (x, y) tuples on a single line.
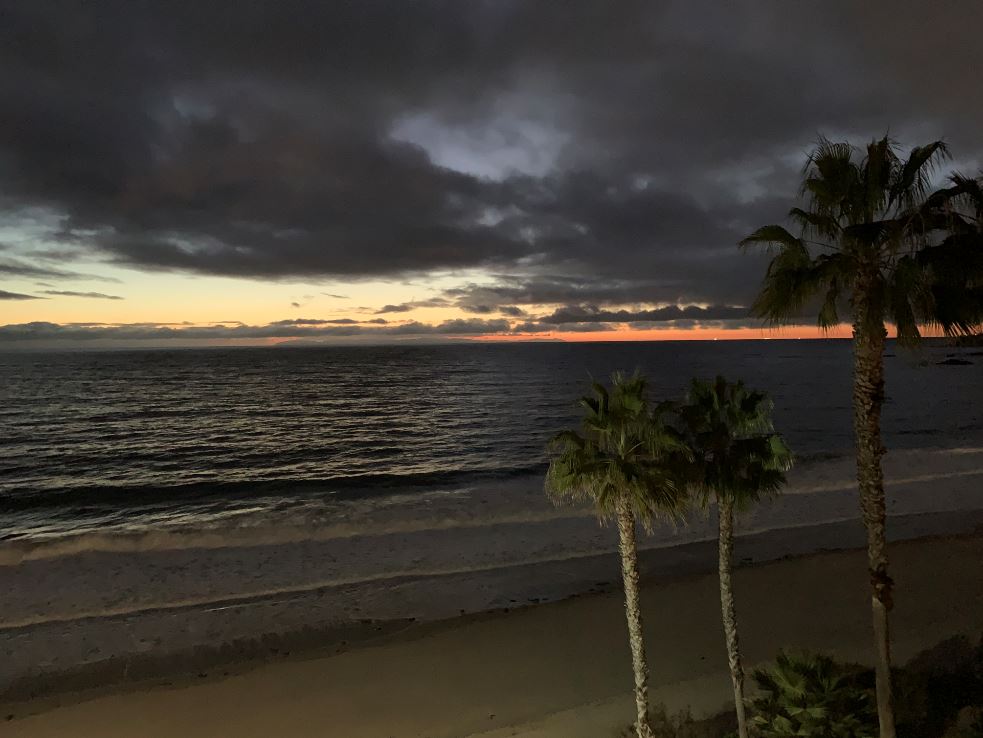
[(811, 696)]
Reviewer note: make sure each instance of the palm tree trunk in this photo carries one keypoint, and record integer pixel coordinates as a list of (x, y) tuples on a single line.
[(868, 397), (725, 512), (629, 572)]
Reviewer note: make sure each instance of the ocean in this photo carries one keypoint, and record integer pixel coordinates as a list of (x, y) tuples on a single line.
[(185, 441)]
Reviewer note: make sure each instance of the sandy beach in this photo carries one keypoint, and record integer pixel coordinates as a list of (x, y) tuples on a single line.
[(552, 670), (496, 614)]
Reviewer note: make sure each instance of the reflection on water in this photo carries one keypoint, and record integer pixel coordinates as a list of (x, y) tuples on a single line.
[(142, 440)]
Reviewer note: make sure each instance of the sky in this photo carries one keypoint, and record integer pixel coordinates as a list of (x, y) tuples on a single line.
[(246, 172)]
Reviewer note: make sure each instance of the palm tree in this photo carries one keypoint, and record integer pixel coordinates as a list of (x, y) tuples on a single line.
[(618, 465), (872, 238), (957, 261), (735, 458)]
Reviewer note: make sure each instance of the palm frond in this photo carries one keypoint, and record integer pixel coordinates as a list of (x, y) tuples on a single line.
[(908, 297), (876, 174), (821, 225), (833, 180), (953, 272), (875, 213), (620, 456), (790, 281), (835, 272), (772, 237), (734, 452), (913, 178), (829, 315)]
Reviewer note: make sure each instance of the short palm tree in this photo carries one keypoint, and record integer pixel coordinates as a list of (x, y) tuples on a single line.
[(872, 238), (618, 465), (735, 458)]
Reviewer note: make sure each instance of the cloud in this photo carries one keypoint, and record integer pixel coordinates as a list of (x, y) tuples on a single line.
[(309, 328), (70, 293), (669, 313), (405, 307), (582, 327), (459, 326), (513, 311), (533, 326), (320, 321), (605, 158), (16, 268), (508, 292), (337, 297), (4, 295)]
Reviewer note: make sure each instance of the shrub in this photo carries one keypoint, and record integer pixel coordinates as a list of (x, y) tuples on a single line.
[(939, 686), (813, 696)]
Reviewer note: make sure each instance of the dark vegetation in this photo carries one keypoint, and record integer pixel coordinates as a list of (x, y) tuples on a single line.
[(938, 694)]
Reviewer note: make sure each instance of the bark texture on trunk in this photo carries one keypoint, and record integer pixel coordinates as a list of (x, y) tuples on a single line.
[(725, 511), (629, 573), (868, 397)]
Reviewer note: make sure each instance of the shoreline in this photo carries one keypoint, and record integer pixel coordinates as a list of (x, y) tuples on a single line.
[(661, 566), (908, 462), (545, 670)]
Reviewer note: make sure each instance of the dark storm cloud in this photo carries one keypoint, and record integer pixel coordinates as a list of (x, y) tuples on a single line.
[(588, 152), (507, 292), (511, 311), (590, 313), (93, 295), (4, 295)]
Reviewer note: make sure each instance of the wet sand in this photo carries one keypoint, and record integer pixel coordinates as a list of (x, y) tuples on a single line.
[(553, 670)]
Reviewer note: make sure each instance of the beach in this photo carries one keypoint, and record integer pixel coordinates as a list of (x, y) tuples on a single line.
[(366, 574), (550, 671)]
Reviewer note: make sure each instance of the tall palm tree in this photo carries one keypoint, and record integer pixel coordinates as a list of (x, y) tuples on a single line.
[(617, 464), (735, 458), (872, 238), (957, 261)]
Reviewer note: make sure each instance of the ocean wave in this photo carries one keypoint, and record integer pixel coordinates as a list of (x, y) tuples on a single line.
[(18, 551), (294, 528), (338, 487)]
